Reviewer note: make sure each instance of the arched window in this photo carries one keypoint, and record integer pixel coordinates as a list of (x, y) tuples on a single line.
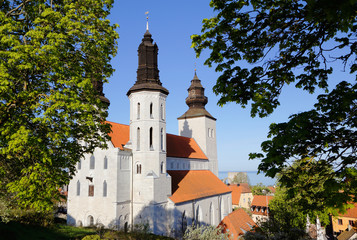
[(138, 111), (150, 142), (209, 132), (90, 220), (151, 115), (92, 162), (90, 190), (184, 222), (79, 164), (138, 168), (162, 112), (78, 188), (162, 139), (138, 139), (105, 162), (211, 212), (212, 133), (104, 188), (162, 167), (222, 208)]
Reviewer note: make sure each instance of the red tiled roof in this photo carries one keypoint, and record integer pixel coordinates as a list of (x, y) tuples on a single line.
[(272, 189), (351, 212), (119, 135), (236, 192), (245, 187), (177, 146), (261, 200), (183, 147), (237, 222), (193, 184)]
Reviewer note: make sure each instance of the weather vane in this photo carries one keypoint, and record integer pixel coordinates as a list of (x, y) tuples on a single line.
[(195, 67), (147, 20)]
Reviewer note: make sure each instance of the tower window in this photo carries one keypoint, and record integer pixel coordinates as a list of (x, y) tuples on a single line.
[(138, 111), (138, 139), (79, 164), (138, 168), (162, 139), (150, 142), (91, 190), (162, 112), (104, 188), (105, 162), (151, 116), (212, 133), (162, 167), (209, 132), (78, 188), (92, 162)]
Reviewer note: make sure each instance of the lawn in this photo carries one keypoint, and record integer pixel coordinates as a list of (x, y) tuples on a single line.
[(18, 231)]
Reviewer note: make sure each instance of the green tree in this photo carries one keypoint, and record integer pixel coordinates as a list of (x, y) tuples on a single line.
[(50, 53), (260, 189), (306, 36)]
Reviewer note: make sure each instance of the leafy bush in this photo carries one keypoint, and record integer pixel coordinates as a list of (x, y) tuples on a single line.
[(205, 232)]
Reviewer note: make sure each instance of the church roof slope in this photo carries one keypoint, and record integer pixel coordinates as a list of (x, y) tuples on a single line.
[(183, 147), (237, 222), (119, 135), (193, 184), (177, 146)]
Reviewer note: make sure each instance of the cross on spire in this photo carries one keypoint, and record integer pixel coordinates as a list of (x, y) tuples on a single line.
[(147, 20)]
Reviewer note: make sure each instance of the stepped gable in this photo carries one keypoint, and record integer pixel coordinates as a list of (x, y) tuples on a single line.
[(237, 223), (188, 185), (177, 146), (196, 100)]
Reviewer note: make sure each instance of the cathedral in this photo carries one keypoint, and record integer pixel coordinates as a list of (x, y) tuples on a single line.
[(147, 176)]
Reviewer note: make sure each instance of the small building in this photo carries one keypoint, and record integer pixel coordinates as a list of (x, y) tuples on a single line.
[(241, 195), (259, 208), (345, 222), (237, 223)]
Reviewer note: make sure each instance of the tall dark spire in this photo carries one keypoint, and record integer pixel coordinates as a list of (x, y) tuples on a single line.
[(148, 72), (196, 100), (98, 87)]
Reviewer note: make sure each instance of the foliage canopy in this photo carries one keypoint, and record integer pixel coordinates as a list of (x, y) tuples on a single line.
[(50, 53), (287, 42)]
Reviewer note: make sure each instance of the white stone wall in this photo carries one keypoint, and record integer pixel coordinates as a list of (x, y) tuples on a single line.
[(187, 164), (102, 208), (203, 130), (203, 211)]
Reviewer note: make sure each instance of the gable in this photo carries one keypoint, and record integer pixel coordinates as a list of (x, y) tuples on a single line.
[(177, 146)]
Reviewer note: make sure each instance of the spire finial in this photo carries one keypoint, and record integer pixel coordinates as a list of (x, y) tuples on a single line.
[(147, 20)]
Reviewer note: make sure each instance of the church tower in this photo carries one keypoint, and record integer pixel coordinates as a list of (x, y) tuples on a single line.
[(150, 183), (199, 124)]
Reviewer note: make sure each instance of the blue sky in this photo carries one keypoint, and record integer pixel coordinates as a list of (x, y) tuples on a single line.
[(171, 24)]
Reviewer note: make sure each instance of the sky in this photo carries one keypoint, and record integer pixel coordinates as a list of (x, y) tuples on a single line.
[(171, 24)]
